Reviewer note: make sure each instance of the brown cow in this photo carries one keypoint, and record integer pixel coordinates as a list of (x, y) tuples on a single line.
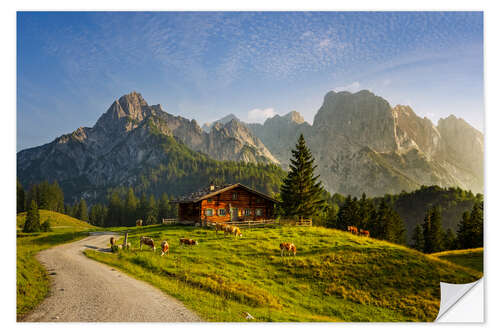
[(289, 247), (188, 241), (228, 229), (147, 241), (138, 223), (352, 229), (164, 247), (364, 232), (219, 226), (112, 241)]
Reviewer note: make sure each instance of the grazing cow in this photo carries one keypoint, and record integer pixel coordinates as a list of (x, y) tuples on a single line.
[(112, 241), (236, 231), (219, 226), (164, 247), (188, 241), (228, 229), (147, 241), (364, 232), (289, 247), (352, 229), (138, 223)]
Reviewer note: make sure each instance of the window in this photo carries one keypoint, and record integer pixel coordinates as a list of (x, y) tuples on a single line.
[(259, 200), (209, 212), (258, 212), (248, 211), (235, 196), (222, 212), (209, 200)]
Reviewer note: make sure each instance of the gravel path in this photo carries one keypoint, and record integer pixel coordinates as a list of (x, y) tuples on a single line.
[(84, 290)]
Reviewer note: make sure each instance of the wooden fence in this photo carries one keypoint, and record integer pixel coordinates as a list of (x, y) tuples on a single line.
[(301, 222), (168, 221), (264, 223)]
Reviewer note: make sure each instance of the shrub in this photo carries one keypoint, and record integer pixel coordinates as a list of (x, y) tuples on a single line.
[(46, 226)]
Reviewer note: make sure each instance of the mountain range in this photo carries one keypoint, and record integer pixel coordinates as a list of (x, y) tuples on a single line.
[(360, 143)]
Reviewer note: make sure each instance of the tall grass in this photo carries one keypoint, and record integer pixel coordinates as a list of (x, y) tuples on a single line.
[(334, 277)]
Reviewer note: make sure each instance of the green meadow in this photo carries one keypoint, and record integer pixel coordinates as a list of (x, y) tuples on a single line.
[(335, 276), (32, 279), (471, 258)]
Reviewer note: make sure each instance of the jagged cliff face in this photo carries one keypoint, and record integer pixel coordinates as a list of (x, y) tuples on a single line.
[(279, 134), (123, 141), (362, 144)]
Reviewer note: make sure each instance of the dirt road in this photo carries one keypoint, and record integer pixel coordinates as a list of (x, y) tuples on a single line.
[(84, 290)]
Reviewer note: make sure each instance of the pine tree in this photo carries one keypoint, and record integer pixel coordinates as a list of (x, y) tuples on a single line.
[(115, 208), (418, 241), (32, 223), (470, 228), (432, 230), (449, 240), (130, 208), (20, 198), (163, 207), (436, 229), (82, 212), (151, 211), (426, 230), (301, 191)]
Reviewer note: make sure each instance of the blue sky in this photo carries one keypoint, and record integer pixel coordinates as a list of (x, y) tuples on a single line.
[(72, 66)]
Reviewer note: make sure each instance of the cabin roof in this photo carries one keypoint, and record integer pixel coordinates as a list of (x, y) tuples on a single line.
[(205, 193)]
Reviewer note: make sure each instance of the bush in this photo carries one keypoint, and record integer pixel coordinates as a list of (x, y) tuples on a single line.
[(115, 248), (46, 227)]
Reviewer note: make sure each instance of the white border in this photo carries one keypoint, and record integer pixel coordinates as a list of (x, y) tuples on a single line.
[(8, 138)]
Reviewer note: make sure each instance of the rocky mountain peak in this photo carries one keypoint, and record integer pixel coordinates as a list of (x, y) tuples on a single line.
[(364, 118), (207, 126), (294, 117)]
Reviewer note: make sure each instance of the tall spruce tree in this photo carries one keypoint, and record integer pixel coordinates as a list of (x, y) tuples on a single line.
[(82, 212), (433, 230), (163, 207), (32, 223), (417, 239), (130, 208), (20, 195), (470, 228), (301, 192)]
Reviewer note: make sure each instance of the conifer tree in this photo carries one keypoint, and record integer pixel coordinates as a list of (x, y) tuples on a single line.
[(130, 208), (115, 207), (470, 228), (301, 191), (449, 240), (32, 223), (418, 241), (82, 212), (164, 207), (20, 198), (432, 230)]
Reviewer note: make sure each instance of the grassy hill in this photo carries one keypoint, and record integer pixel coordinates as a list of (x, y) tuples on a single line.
[(57, 221), (334, 277), (471, 258), (32, 279)]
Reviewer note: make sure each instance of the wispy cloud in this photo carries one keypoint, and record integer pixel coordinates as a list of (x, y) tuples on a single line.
[(260, 115), (351, 87)]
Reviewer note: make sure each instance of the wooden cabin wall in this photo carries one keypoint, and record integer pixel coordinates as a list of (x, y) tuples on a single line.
[(244, 200)]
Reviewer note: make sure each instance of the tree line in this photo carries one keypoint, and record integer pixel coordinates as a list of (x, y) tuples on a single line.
[(429, 236), (122, 208)]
